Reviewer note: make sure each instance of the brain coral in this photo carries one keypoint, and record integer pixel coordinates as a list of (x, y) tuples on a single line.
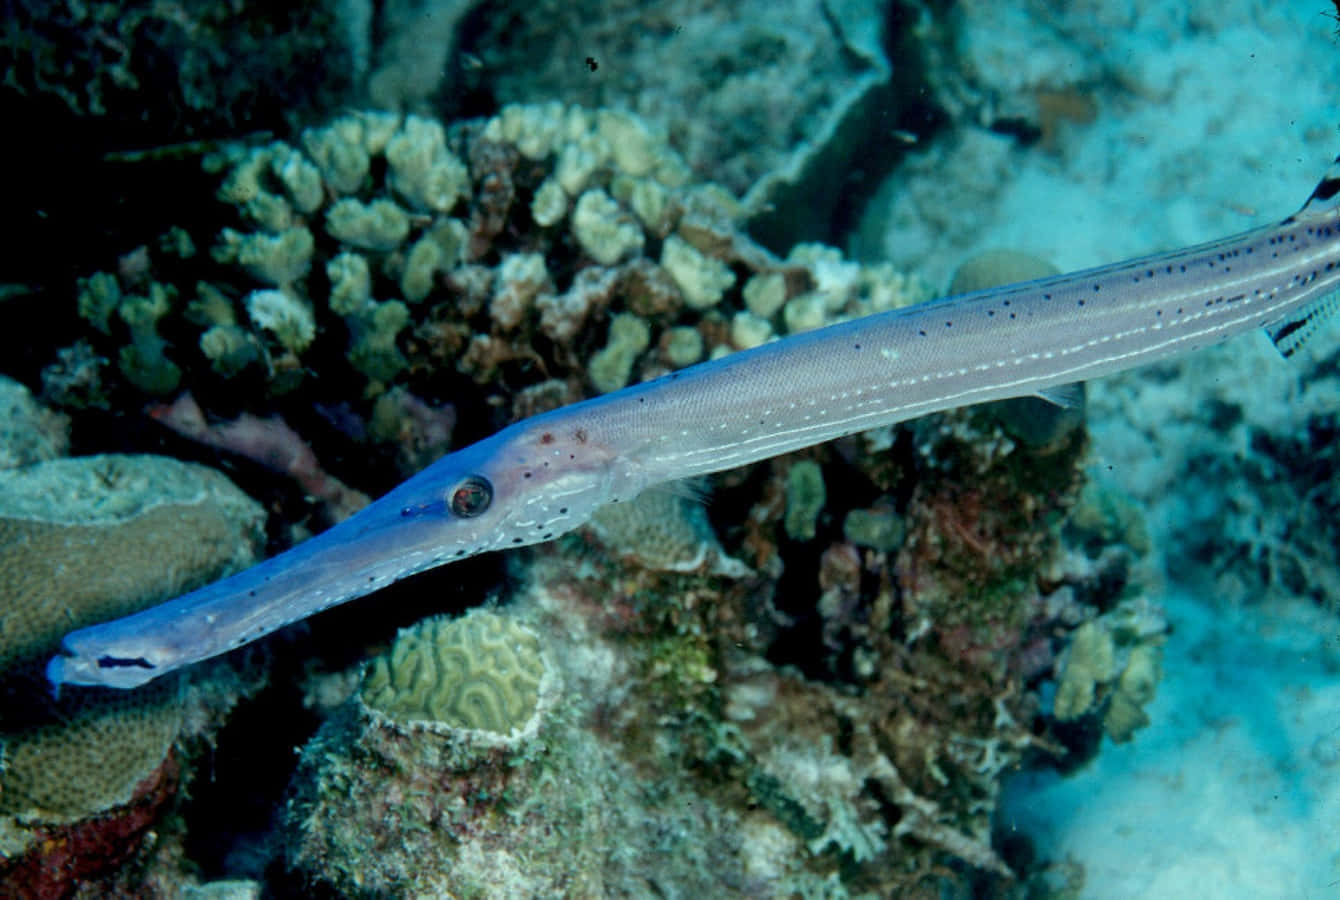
[(483, 671)]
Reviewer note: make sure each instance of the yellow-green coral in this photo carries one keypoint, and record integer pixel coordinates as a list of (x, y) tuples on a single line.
[(805, 499), (1113, 666), (1090, 661), (702, 279), (379, 225), (611, 366), (604, 229), (278, 259), (483, 671), (1134, 689), (285, 316), (143, 360), (423, 171)]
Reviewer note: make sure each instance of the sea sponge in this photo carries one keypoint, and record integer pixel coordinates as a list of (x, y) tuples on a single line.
[(481, 672)]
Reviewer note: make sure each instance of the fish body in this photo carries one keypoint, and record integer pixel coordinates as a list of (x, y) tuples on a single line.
[(546, 475)]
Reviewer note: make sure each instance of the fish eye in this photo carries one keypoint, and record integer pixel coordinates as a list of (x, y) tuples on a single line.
[(471, 497)]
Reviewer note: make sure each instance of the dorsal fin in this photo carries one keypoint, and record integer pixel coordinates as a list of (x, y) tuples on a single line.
[(1325, 197)]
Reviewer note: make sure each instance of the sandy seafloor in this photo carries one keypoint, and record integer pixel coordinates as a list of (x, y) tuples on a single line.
[(1234, 789)]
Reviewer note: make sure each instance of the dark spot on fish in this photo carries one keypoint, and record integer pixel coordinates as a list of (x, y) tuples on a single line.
[(580, 435), (546, 438)]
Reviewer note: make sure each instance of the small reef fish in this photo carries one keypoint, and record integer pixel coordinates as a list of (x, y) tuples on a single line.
[(546, 475)]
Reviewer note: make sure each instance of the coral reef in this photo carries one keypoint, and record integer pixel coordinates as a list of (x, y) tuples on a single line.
[(1112, 666), (90, 757), (905, 591), (919, 661)]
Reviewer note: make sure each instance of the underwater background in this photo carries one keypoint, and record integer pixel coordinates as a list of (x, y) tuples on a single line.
[(266, 260)]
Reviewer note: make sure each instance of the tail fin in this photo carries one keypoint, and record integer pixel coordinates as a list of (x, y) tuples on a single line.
[(1290, 334)]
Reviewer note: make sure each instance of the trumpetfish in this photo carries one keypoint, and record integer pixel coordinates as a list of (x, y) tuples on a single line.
[(546, 475)]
